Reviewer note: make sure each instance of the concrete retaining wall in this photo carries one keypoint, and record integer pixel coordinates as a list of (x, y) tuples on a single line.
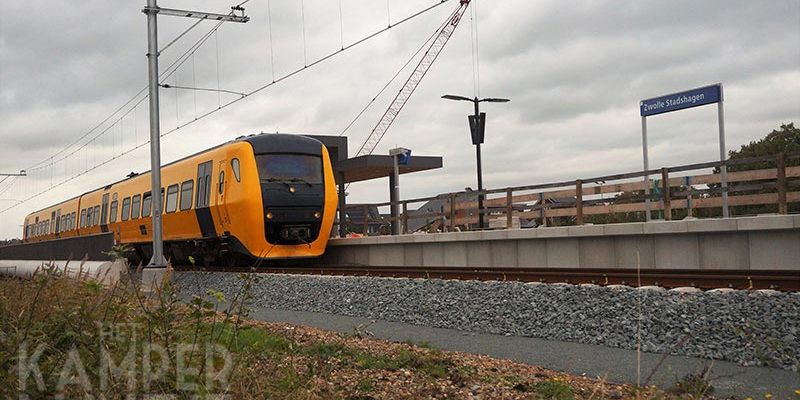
[(74, 248), (762, 242)]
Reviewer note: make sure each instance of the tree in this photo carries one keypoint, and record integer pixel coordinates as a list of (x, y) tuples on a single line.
[(786, 140)]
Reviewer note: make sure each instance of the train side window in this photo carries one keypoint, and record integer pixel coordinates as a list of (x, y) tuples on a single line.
[(126, 208), (72, 222), (96, 215), (112, 216), (187, 189), (89, 217), (203, 184), (136, 204), (221, 181), (82, 222), (147, 204), (172, 198), (235, 167)]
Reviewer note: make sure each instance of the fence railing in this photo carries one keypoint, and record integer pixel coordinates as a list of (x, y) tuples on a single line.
[(674, 194)]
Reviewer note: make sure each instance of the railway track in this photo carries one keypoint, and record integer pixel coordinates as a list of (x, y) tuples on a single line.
[(704, 279)]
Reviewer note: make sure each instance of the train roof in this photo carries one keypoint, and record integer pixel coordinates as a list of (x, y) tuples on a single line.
[(260, 142)]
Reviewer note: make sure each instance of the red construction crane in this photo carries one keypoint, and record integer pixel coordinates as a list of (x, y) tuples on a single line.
[(414, 80)]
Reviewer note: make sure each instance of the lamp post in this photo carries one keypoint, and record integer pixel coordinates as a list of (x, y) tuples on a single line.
[(477, 125), (400, 156)]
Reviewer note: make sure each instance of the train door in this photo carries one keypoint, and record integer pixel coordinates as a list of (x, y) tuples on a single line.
[(221, 189), (204, 219), (104, 214)]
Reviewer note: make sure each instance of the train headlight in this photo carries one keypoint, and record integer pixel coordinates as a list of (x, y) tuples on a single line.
[(269, 215), (317, 214)]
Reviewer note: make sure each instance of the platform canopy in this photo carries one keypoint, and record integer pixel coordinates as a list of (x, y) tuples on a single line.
[(372, 166), (375, 166)]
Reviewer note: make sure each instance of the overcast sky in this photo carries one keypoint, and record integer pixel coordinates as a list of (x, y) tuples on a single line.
[(575, 72)]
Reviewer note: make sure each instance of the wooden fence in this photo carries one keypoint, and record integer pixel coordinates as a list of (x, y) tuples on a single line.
[(573, 202)]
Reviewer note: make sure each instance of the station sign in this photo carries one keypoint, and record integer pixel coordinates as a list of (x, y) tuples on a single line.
[(679, 101)]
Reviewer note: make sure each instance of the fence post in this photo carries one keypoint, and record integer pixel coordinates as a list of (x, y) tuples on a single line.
[(665, 194), (452, 202), (405, 218), (689, 205), (366, 220), (579, 202), (509, 209), (781, 183), (542, 211)]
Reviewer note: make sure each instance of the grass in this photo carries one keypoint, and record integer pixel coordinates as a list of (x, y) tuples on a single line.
[(88, 340)]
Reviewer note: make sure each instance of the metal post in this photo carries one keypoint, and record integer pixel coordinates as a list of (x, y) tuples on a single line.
[(646, 168), (152, 10), (579, 202), (405, 218), (394, 182), (158, 259), (480, 188), (342, 207), (542, 211), (509, 208), (722, 155), (689, 205), (452, 203), (480, 172), (665, 194), (780, 182)]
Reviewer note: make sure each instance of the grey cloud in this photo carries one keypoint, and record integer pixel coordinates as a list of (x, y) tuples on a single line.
[(574, 71)]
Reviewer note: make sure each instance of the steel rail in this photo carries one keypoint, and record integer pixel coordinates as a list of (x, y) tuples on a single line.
[(784, 280)]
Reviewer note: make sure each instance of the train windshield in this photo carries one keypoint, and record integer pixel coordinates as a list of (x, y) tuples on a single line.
[(289, 168)]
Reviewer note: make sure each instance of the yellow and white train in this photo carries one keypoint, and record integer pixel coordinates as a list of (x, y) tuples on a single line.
[(267, 196)]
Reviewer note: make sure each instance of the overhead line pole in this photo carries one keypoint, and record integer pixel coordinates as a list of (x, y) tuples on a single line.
[(152, 10)]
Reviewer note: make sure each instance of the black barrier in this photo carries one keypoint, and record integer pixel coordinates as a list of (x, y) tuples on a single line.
[(74, 248)]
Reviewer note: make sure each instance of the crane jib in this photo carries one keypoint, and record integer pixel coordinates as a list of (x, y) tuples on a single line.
[(397, 104)]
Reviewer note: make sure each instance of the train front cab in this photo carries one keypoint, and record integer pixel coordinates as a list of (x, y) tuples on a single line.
[(284, 195)]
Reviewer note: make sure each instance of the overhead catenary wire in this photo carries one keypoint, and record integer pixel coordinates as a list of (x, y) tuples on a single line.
[(477, 49), (179, 37), (303, 18), (176, 87), (232, 102), (167, 73), (216, 44), (271, 47), (394, 77), (341, 25)]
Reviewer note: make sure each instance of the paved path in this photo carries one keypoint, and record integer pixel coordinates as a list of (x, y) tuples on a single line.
[(617, 365)]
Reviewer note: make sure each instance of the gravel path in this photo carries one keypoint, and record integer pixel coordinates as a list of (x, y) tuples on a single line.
[(749, 328)]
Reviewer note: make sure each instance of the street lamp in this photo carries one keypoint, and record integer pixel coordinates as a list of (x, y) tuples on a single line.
[(477, 125)]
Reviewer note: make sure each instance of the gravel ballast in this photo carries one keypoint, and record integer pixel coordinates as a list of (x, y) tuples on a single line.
[(746, 327)]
